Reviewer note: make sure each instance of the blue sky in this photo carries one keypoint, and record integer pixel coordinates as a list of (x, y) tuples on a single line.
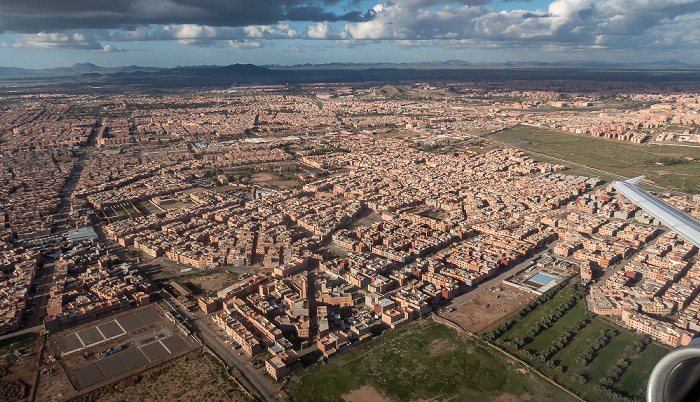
[(167, 33)]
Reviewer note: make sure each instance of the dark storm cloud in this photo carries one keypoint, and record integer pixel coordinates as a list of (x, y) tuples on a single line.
[(313, 13), (51, 16), (564, 24)]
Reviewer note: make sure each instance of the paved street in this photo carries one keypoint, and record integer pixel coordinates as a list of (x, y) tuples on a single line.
[(224, 351)]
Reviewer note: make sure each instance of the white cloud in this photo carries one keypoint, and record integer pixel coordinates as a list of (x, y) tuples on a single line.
[(566, 24), (318, 31), (111, 49), (279, 31), (191, 31), (88, 40), (244, 44)]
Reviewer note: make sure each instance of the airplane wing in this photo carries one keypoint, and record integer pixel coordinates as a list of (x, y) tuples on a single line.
[(636, 180)]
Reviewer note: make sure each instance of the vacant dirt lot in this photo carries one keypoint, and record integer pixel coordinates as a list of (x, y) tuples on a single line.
[(284, 183), (260, 177), (365, 394), (488, 308), (194, 377), (213, 283), (17, 374)]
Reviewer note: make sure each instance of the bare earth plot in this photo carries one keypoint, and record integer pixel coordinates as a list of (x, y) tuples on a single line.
[(214, 282), (260, 177), (365, 394), (489, 308), (17, 374)]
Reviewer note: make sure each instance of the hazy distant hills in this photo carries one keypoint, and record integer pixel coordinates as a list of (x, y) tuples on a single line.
[(87, 74), (74, 70)]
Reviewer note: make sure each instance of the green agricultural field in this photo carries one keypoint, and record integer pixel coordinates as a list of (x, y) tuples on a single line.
[(616, 157), (632, 383), (637, 373), (545, 338), (423, 360), (146, 208), (607, 357), (580, 342)]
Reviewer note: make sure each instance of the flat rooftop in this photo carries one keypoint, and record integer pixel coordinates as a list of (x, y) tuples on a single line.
[(82, 234)]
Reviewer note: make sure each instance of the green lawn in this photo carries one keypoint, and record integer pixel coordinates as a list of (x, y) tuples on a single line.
[(423, 360), (606, 155), (146, 207)]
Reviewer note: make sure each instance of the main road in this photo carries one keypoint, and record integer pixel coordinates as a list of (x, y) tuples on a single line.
[(224, 352)]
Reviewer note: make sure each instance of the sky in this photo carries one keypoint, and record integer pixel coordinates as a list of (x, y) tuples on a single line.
[(169, 33)]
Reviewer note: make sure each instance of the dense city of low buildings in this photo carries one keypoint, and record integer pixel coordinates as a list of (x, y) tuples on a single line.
[(360, 228)]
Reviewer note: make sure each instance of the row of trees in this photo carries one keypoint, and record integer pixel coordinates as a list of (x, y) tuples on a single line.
[(615, 372), (610, 395), (499, 330), (578, 379), (515, 345), (557, 345), (639, 345), (587, 355), (548, 320), (512, 345)]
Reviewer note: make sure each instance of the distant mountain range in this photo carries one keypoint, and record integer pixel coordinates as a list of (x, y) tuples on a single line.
[(76, 69), (87, 74)]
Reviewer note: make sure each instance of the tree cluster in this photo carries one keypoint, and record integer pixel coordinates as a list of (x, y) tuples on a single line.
[(668, 161), (610, 395), (615, 372), (579, 292), (639, 345)]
